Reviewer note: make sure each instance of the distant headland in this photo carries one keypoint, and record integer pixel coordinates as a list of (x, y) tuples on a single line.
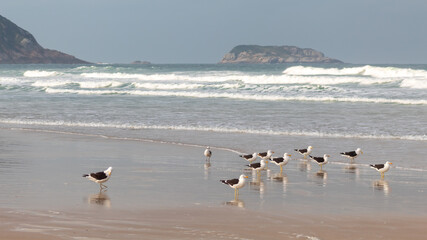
[(275, 54), (17, 46)]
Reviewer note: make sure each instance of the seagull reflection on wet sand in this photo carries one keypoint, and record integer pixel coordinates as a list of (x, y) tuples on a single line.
[(235, 203), (280, 177), (257, 184), (381, 185), (100, 199), (304, 166), (323, 176), (353, 171), (207, 170)]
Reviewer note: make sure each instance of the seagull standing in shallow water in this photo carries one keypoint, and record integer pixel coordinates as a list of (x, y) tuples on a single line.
[(381, 168), (321, 160), (305, 152), (352, 155), (249, 157), (266, 155), (100, 177), (236, 184), (281, 161), (208, 154), (258, 166)]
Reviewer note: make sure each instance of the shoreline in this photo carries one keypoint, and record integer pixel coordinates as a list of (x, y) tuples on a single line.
[(154, 196)]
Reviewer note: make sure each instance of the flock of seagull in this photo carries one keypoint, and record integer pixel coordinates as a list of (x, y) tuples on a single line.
[(238, 183)]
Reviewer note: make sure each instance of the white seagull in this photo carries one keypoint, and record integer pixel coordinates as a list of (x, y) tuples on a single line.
[(305, 152), (236, 184), (100, 177), (321, 160), (352, 154), (381, 168), (249, 157), (208, 154), (281, 161)]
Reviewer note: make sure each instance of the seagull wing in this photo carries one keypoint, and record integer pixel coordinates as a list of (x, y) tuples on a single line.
[(231, 182), (351, 154), (99, 175), (377, 166), (254, 165)]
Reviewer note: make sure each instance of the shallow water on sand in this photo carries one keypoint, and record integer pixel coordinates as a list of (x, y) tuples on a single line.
[(43, 171)]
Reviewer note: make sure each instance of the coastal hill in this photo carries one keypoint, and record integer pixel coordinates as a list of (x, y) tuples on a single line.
[(275, 54), (18, 46)]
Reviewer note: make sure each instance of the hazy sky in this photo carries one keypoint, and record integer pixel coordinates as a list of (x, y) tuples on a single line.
[(202, 31)]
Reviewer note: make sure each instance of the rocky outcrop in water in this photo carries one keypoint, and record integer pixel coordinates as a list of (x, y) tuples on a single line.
[(275, 54), (18, 46)]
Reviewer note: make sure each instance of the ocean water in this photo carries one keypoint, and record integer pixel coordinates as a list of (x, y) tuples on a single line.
[(258, 105)]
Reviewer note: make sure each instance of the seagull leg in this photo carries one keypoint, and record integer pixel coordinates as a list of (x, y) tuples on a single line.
[(321, 167), (382, 175), (281, 169)]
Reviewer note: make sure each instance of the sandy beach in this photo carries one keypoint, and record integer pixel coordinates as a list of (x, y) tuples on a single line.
[(164, 191), (201, 223)]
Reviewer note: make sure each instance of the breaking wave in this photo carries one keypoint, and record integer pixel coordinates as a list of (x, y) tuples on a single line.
[(372, 71), (239, 96)]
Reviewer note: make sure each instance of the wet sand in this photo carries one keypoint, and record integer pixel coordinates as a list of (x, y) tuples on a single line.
[(202, 223), (163, 191)]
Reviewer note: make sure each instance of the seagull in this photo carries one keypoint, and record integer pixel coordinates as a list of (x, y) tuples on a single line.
[(258, 166), (281, 161), (100, 177), (249, 157), (382, 168), (321, 160), (266, 155), (305, 152), (236, 184), (208, 154), (352, 155)]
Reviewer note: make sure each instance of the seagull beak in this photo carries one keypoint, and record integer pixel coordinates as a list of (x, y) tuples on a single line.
[(391, 163), (245, 176), (361, 152), (289, 155)]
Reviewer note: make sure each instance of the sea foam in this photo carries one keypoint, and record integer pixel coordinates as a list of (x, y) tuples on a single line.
[(210, 129), (38, 74)]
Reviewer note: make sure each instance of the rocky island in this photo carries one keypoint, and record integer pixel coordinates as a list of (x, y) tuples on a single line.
[(275, 54), (18, 46)]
